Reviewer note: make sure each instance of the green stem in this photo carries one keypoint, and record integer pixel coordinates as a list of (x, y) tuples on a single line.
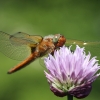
[(69, 97)]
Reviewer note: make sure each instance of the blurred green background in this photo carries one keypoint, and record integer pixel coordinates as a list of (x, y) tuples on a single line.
[(75, 19)]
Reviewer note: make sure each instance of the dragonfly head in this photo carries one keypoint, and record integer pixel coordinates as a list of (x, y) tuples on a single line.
[(59, 40)]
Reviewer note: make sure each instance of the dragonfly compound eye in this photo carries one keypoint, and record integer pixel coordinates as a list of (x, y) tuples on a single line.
[(56, 38), (61, 41)]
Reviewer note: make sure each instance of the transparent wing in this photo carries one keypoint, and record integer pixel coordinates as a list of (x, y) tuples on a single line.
[(17, 46), (21, 38), (41, 60), (93, 47)]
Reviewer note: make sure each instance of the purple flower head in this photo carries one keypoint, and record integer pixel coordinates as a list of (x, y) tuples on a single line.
[(71, 72)]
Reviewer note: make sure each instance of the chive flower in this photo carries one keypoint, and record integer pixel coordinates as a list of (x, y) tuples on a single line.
[(71, 73)]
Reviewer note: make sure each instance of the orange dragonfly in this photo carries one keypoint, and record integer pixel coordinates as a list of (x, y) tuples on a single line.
[(22, 46), (25, 47)]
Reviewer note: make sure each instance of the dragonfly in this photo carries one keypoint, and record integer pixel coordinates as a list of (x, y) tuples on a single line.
[(26, 48)]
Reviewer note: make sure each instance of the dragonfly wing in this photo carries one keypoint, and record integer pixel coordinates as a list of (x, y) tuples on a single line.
[(10, 49), (93, 47), (21, 38), (41, 60)]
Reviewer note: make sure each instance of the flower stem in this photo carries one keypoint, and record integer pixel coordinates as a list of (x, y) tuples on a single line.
[(69, 97)]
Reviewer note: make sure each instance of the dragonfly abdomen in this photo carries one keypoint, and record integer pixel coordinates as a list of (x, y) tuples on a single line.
[(24, 63)]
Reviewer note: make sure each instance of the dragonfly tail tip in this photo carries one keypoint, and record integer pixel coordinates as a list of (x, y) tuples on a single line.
[(8, 72)]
